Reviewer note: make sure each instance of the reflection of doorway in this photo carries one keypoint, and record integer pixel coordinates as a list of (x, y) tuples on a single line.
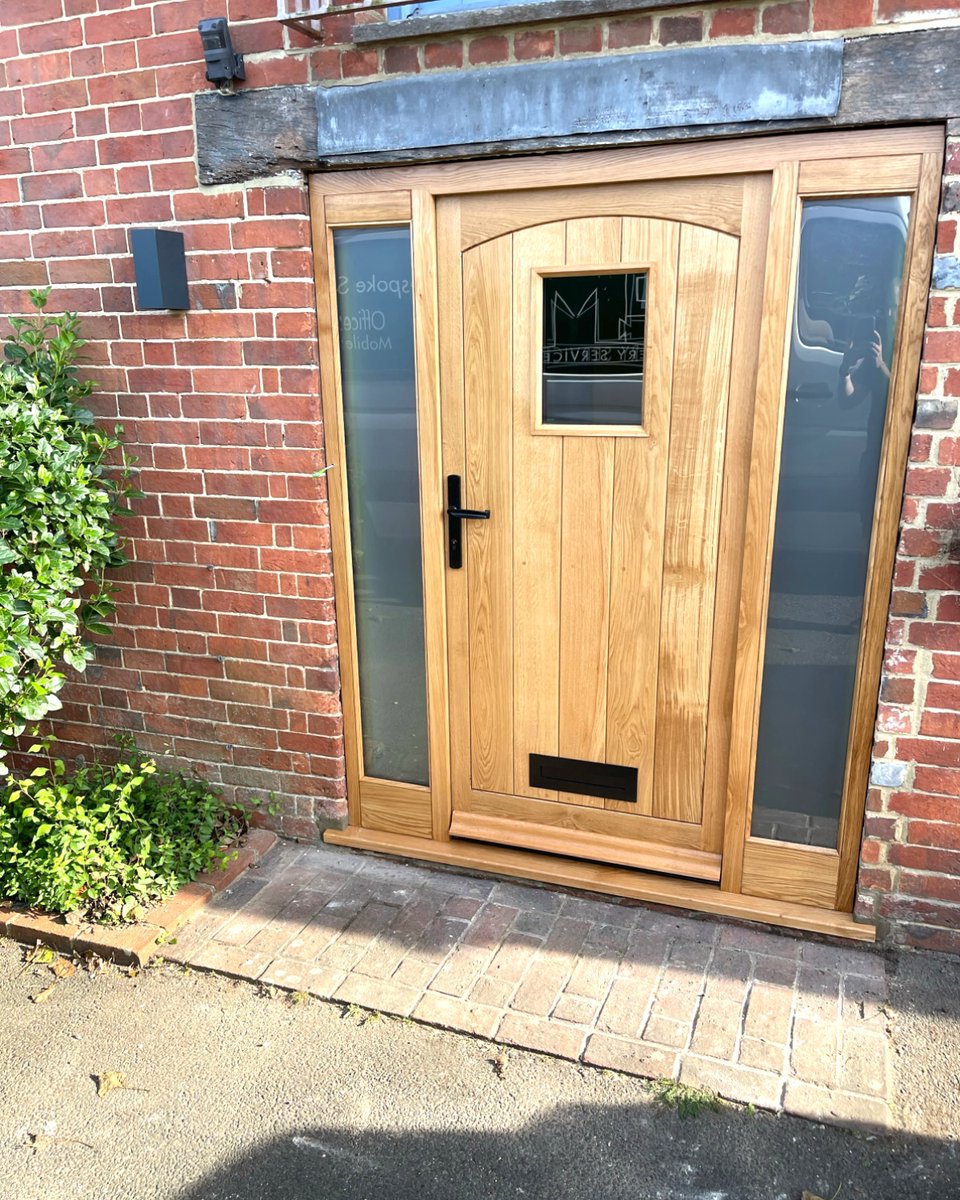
[(849, 279)]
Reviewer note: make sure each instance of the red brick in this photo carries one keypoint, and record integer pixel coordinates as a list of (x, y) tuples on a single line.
[(786, 18), (401, 60), (442, 54), (943, 577), (942, 346), (490, 48), (935, 635), (629, 31), (581, 39), (534, 43), (931, 752), (55, 35), (891, 9), (936, 834), (927, 481), (119, 26), (876, 878), (908, 604), (676, 30), (943, 516), (733, 22), (842, 14), (897, 690), (920, 445), (932, 808), (948, 452), (930, 887), (356, 63), (902, 908)]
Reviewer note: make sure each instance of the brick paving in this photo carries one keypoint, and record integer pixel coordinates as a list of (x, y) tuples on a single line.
[(779, 1021)]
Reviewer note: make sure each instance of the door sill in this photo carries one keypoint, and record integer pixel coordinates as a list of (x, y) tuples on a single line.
[(607, 880), (598, 847)]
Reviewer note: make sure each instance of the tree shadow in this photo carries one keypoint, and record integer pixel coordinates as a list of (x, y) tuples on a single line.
[(586, 1152)]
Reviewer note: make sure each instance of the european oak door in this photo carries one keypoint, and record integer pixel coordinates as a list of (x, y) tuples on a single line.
[(586, 378)]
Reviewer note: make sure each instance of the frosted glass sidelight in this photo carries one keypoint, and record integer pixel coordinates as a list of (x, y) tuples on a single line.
[(593, 342), (378, 381), (845, 319)]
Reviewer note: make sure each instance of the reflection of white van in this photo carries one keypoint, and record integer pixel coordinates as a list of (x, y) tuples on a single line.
[(844, 291)]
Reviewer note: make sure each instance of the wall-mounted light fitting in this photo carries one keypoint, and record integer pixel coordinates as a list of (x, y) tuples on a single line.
[(223, 64), (160, 268)]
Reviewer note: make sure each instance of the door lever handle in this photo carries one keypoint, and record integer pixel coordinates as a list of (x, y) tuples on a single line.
[(469, 514), (456, 515)]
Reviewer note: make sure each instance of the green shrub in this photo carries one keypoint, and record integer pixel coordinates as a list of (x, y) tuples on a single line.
[(110, 839), (59, 500)]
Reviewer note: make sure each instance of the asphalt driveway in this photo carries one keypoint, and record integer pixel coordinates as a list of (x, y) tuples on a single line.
[(231, 1093)]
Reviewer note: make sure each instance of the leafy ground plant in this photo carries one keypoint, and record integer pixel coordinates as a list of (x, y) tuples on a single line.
[(59, 501), (109, 839), (688, 1101)]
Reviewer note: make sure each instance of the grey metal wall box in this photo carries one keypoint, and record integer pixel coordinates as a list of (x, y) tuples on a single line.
[(160, 267)]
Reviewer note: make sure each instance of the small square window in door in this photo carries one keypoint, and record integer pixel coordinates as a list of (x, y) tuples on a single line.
[(593, 348)]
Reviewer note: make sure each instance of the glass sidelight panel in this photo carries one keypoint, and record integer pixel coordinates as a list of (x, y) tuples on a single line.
[(378, 383), (845, 319), (593, 342)]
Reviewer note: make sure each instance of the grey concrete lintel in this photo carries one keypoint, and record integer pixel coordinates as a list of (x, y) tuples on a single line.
[(699, 86)]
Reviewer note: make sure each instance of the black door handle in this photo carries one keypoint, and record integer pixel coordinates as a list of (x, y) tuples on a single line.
[(455, 515)]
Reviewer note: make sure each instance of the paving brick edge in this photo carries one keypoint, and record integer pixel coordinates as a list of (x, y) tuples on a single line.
[(134, 945), (881, 1126)]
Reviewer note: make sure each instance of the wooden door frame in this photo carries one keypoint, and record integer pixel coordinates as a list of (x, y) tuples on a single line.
[(784, 169)]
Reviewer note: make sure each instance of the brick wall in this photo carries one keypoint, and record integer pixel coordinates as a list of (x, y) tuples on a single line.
[(910, 873), (224, 653), (339, 58)]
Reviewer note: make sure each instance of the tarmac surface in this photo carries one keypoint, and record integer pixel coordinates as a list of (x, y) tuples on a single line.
[(231, 1093)]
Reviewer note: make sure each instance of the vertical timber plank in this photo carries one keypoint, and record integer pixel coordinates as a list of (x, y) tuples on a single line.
[(336, 481), (758, 535), (587, 519), (424, 250), (488, 545), (450, 321), (706, 292), (537, 468), (639, 502), (743, 382)]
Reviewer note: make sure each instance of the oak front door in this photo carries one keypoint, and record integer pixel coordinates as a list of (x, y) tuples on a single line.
[(587, 368)]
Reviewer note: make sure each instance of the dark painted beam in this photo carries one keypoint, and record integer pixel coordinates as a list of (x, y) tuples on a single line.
[(887, 78), (255, 133)]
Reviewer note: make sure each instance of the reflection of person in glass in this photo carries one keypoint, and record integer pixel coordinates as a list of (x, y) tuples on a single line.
[(865, 378)]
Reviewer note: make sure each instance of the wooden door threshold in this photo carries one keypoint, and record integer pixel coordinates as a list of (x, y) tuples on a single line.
[(607, 880)]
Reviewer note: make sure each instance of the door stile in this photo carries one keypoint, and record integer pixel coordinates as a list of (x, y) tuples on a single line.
[(450, 330), (488, 476), (335, 452), (886, 520), (781, 268), (432, 521), (733, 512)]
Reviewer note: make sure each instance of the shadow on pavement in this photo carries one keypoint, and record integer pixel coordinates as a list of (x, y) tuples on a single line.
[(640, 1152)]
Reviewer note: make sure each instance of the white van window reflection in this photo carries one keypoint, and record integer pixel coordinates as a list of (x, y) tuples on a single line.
[(838, 382)]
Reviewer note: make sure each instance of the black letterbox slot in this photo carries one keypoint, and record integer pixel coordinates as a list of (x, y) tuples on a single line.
[(606, 780)]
